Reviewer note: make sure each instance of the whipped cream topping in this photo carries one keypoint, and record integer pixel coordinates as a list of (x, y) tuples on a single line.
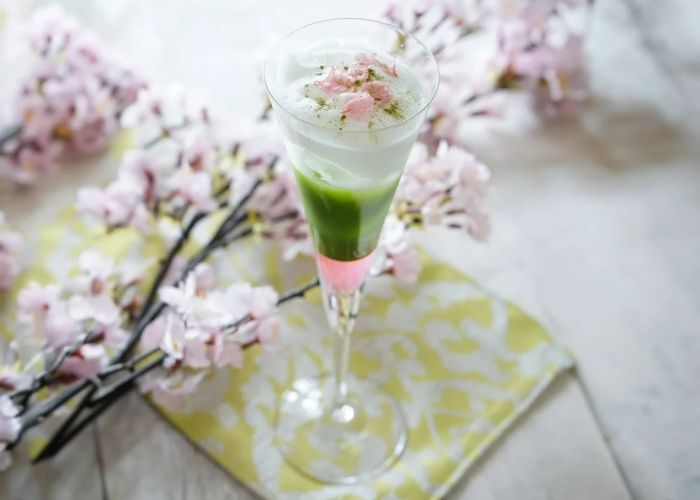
[(341, 85), (350, 113)]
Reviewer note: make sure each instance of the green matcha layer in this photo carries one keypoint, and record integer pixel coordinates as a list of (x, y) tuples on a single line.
[(345, 223)]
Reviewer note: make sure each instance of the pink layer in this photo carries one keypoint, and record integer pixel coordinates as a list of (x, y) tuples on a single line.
[(344, 276)]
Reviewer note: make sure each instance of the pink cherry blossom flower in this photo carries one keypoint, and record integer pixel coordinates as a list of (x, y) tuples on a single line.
[(45, 313), (359, 106), (198, 346), (177, 268), (118, 205), (448, 189), (170, 390), (114, 336), (394, 254), (199, 149), (197, 283), (154, 333), (143, 173), (10, 246), (98, 204), (100, 308), (294, 238), (260, 301), (36, 301), (540, 52), (70, 99), (59, 329), (12, 374), (173, 340), (204, 278), (194, 347), (426, 15), (192, 188), (29, 163), (260, 143), (267, 331), (405, 265), (131, 272), (231, 355), (199, 308), (86, 363), (276, 196), (147, 105), (9, 269), (169, 230), (96, 271), (10, 427), (380, 92), (10, 241), (12, 379)]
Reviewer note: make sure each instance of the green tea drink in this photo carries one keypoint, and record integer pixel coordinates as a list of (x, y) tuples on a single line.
[(350, 117), (345, 221)]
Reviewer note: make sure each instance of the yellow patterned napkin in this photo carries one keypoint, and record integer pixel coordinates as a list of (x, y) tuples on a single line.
[(464, 363)]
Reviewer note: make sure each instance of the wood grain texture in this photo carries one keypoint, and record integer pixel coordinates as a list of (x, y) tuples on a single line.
[(75, 474), (600, 215), (147, 459), (596, 234), (541, 458)]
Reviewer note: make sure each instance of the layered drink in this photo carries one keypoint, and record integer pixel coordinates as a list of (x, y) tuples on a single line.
[(347, 111)]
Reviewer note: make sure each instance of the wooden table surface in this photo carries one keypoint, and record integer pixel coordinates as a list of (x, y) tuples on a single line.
[(596, 233)]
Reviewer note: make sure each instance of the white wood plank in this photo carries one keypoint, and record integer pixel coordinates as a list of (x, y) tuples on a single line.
[(72, 474), (601, 217), (540, 458), (555, 452), (669, 30), (148, 459)]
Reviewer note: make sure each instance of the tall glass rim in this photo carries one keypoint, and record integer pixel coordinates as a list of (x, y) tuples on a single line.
[(403, 32)]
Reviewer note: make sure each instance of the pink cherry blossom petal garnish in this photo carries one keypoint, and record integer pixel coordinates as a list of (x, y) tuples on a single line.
[(380, 92), (336, 82), (370, 60), (359, 106)]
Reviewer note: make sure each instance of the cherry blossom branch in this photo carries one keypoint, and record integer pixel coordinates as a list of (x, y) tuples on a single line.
[(149, 313), (48, 376), (224, 241), (71, 99), (9, 133), (165, 266), (228, 224), (296, 293), (68, 431), (109, 396), (223, 236), (11, 243)]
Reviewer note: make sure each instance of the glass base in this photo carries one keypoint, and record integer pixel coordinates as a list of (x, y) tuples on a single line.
[(342, 445)]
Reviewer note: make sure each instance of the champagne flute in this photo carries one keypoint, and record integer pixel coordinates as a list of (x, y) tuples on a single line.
[(350, 96)]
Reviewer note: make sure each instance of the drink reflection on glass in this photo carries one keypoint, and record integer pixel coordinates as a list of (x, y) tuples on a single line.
[(350, 96)]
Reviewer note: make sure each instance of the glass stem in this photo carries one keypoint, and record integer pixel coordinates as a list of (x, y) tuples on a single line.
[(341, 309)]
